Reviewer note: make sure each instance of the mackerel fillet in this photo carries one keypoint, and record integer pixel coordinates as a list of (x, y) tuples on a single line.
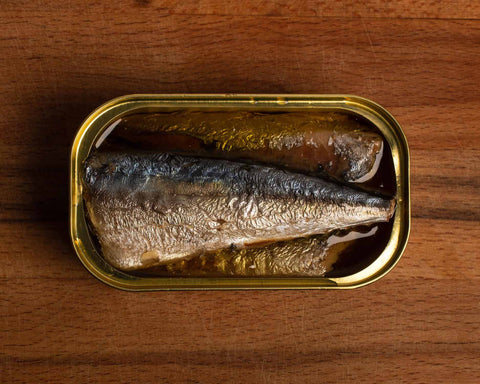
[(153, 209)]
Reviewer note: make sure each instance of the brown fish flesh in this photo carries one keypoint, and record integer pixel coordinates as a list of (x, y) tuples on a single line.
[(152, 209), (306, 256), (330, 143), (310, 256)]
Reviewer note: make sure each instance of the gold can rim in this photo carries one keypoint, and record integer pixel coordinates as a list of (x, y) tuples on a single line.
[(101, 119)]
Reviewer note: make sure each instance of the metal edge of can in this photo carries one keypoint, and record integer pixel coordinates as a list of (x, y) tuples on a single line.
[(100, 119), (401, 229)]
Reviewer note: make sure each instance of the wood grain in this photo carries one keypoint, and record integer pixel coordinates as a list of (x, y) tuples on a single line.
[(426, 9), (60, 60)]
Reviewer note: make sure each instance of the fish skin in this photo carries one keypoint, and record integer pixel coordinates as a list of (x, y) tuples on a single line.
[(312, 256), (151, 209), (330, 143)]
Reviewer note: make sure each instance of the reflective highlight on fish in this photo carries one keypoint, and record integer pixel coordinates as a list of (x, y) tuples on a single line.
[(152, 209)]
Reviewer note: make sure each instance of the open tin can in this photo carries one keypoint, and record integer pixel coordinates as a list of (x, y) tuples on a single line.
[(99, 125)]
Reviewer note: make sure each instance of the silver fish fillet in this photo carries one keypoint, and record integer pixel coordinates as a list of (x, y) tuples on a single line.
[(152, 209)]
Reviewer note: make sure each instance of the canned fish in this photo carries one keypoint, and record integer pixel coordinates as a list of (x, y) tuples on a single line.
[(239, 191)]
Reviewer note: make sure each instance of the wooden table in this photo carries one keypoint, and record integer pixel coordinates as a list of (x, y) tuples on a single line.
[(60, 60)]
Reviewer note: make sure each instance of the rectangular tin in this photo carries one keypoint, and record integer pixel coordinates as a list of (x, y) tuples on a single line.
[(97, 123)]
